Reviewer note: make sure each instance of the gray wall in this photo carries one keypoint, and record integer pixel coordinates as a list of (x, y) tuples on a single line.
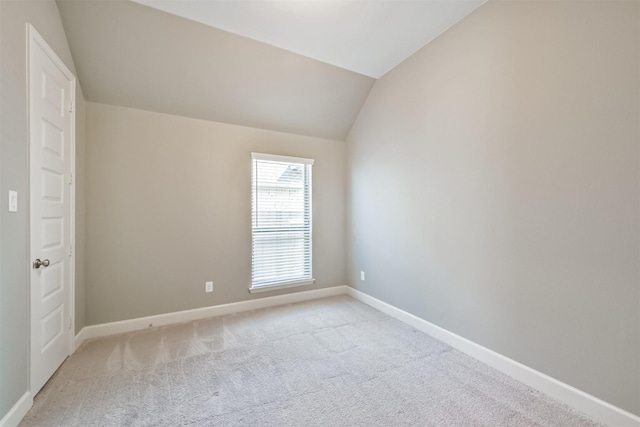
[(14, 262), (494, 188), (169, 207)]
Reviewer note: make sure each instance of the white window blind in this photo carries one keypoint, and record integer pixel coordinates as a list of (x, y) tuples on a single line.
[(281, 229)]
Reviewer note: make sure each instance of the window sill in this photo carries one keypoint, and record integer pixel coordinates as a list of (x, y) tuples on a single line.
[(281, 285)]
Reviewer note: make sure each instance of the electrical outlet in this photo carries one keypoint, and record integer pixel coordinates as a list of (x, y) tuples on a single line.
[(208, 286), (362, 276)]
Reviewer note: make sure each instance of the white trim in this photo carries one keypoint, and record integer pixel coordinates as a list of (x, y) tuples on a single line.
[(17, 411), (72, 219), (28, 198), (278, 158), (584, 402), (79, 338), (140, 323), (282, 285)]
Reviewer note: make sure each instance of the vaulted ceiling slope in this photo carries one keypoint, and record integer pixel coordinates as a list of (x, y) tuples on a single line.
[(369, 37), (135, 56)]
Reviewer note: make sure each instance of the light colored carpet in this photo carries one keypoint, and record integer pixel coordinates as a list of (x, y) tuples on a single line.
[(330, 362)]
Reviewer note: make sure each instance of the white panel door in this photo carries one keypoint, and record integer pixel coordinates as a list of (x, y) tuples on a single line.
[(51, 87)]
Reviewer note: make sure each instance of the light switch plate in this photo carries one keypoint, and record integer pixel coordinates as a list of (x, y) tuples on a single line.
[(13, 201), (208, 286)]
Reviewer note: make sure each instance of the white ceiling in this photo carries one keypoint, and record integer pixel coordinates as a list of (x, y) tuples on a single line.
[(369, 37)]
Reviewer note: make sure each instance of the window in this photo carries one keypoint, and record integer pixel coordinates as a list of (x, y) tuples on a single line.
[(280, 222)]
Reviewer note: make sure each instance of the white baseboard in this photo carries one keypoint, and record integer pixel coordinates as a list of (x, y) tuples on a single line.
[(140, 323), (79, 338), (18, 411), (584, 402)]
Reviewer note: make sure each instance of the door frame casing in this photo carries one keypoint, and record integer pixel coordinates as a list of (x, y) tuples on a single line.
[(32, 36)]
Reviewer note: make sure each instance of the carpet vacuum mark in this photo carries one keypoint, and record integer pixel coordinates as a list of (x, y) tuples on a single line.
[(329, 362)]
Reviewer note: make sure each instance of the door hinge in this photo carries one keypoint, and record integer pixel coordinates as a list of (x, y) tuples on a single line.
[(71, 107), (70, 322), (70, 250), (70, 179)]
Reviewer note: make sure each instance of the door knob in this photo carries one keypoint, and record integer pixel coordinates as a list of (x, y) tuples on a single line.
[(37, 263)]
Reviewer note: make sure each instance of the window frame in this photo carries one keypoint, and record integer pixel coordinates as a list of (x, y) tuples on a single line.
[(271, 286)]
